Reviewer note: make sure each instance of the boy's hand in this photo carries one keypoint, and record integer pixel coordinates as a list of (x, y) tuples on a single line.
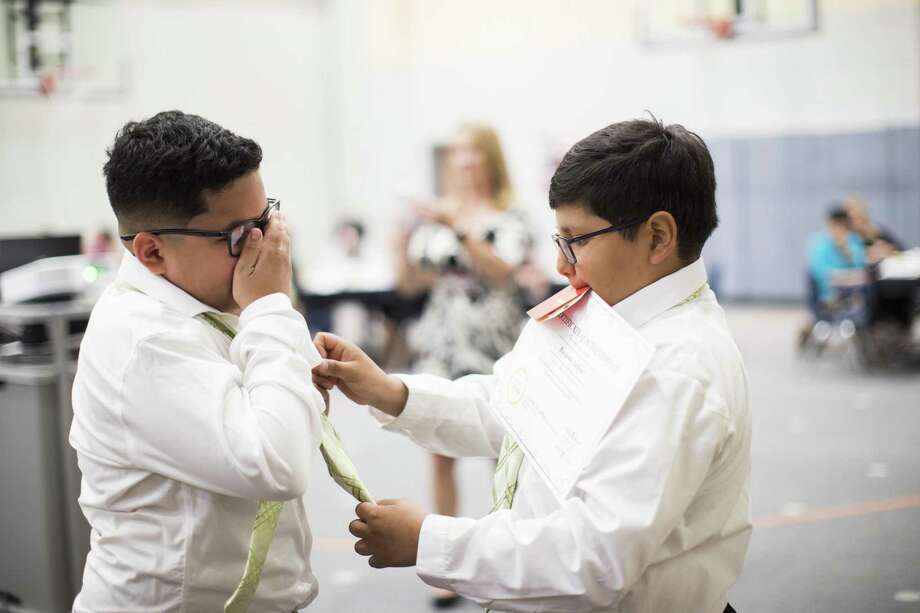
[(264, 266), (388, 532), (360, 379)]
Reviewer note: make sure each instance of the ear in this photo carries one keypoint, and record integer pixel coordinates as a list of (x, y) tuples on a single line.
[(148, 249), (663, 230)]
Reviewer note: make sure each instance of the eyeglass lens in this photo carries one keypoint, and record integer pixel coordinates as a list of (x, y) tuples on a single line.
[(239, 233)]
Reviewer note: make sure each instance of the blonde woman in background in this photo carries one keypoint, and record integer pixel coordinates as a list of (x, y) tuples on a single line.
[(891, 306), (879, 242), (466, 250)]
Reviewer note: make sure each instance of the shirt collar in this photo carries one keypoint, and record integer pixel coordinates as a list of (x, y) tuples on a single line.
[(136, 275), (653, 300)]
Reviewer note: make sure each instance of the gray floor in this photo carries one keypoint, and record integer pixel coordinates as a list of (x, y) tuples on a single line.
[(833, 449)]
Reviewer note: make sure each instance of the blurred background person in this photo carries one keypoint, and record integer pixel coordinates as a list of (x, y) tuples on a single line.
[(892, 301), (465, 250), (836, 262), (103, 252), (879, 242), (347, 270), (836, 257), (836, 274), (346, 263), (102, 245)]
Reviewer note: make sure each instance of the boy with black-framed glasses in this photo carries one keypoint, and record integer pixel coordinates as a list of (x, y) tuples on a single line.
[(189, 442), (658, 518)]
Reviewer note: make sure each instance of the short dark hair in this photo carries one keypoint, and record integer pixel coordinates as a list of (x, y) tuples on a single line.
[(838, 214), (632, 169), (158, 168), (356, 224)]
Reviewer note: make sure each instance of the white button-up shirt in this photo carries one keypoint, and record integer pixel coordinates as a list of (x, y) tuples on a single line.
[(659, 520), (178, 434)]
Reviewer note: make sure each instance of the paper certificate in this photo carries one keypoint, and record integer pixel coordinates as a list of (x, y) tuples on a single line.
[(568, 378)]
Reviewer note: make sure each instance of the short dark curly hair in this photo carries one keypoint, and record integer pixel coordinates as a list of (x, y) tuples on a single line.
[(632, 169), (158, 168)]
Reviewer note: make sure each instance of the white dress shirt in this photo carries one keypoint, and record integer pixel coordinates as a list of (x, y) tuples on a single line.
[(659, 520), (179, 433)]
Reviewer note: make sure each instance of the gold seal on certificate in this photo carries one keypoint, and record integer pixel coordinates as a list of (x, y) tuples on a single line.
[(517, 387)]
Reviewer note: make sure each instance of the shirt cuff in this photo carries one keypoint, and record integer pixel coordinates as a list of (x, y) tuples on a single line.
[(433, 559), (414, 413), (290, 327), (273, 303)]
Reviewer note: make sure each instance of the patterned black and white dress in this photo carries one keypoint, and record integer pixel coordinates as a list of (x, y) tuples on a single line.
[(467, 323)]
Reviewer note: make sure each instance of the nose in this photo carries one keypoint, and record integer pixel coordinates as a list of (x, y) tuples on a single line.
[(563, 267)]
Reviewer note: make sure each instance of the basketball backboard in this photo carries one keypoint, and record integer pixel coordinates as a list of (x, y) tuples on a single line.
[(61, 47), (676, 23)]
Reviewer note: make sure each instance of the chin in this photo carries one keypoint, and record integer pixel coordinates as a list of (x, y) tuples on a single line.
[(606, 294), (230, 306), (223, 304)]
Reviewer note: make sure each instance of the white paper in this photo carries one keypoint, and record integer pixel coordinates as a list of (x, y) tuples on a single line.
[(567, 380)]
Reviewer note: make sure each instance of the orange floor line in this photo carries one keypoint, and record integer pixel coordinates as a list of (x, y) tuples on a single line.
[(849, 510)]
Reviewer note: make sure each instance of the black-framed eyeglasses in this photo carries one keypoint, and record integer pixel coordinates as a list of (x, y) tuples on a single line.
[(236, 236), (565, 244)]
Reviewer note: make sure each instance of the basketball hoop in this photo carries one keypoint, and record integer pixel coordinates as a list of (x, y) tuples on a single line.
[(714, 27), (721, 28), (63, 49), (670, 24)]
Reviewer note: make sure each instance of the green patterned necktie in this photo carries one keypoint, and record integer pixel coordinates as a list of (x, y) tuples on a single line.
[(342, 471), (504, 483)]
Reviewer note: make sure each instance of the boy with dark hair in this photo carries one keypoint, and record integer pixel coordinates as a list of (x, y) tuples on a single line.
[(658, 519), (179, 432)]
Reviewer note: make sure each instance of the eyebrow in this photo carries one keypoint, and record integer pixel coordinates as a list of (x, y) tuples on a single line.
[(567, 231)]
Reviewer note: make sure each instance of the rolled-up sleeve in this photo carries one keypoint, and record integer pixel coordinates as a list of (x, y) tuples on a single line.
[(451, 418), (245, 428)]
